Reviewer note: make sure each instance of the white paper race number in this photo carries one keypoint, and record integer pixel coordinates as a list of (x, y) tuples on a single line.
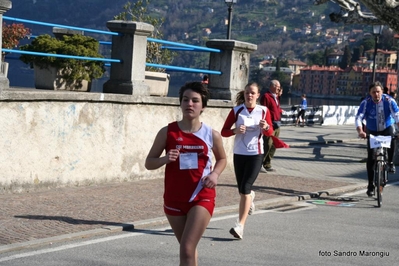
[(380, 141)]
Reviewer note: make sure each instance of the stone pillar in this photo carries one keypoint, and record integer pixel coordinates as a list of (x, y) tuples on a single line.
[(5, 5), (233, 62), (130, 47)]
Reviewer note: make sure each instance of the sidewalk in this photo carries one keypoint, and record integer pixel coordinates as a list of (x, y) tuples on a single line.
[(45, 217)]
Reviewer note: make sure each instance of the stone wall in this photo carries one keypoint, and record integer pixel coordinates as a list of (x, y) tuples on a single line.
[(53, 139)]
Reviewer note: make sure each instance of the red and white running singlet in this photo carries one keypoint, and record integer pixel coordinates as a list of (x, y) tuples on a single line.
[(250, 143), (183, 177)]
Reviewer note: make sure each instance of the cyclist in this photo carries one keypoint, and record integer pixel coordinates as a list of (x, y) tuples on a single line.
[(380, 112)]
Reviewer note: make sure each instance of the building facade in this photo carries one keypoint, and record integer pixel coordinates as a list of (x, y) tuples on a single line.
[(353, 81), (319, 80)]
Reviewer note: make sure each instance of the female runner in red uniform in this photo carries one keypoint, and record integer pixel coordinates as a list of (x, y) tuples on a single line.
[(190, 177)]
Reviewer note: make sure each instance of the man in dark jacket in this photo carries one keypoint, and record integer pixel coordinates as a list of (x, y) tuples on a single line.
[(271, 99)]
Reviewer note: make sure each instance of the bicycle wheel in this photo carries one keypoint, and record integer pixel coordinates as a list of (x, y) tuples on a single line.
[(378, 178)]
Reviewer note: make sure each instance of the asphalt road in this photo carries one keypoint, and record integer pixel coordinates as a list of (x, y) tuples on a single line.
[(340, 230)]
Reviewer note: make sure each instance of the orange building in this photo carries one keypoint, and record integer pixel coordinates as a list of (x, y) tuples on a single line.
[(319, 80), (353, 81)]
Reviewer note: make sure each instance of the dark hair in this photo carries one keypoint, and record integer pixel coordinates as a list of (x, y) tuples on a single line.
[(375, 84), (197, 87)]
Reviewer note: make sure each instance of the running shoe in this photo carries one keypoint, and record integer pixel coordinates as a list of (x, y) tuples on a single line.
[(262, 170), (237, 231)]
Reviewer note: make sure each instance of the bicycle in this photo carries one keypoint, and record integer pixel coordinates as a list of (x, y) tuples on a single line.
[(380, 144)]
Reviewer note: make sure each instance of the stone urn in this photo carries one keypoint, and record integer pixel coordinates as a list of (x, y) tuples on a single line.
[(51, 79), (158, 83)]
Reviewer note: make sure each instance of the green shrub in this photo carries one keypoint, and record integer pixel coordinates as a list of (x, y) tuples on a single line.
[(75, 45)]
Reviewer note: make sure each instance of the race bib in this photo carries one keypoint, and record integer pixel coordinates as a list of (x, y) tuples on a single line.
[(380, 141), (249, 122), (188, 160)]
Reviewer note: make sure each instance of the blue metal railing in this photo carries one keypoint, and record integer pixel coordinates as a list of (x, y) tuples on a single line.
[(62, 56), (58, 25), (174, 46), (177, 47), (185, 69), (174, 68)]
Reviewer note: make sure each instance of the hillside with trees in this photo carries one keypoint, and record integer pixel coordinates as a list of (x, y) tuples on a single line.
[(277, 27)]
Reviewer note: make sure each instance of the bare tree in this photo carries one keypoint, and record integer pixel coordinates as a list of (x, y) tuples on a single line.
[(384, 12)]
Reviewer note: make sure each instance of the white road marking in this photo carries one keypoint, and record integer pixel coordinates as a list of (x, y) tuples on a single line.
[(75, 245)]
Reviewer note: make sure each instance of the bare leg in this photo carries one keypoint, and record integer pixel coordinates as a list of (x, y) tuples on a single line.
[(188, 231), (245, 204)]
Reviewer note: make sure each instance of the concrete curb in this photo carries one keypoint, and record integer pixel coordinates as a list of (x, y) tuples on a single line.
[(145, 224)]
